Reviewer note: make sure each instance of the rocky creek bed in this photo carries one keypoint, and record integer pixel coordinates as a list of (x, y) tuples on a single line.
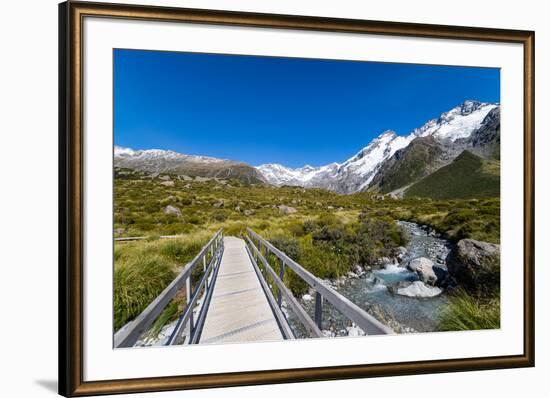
[(393, 293)]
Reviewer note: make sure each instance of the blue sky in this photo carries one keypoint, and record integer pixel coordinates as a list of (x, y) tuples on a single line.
[(292, 111)]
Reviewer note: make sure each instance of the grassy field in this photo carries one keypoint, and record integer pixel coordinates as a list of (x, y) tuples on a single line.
[(328, 234)]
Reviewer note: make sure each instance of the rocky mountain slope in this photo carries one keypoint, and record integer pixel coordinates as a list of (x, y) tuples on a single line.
[(429, 152), (156, 161), (391, 162)]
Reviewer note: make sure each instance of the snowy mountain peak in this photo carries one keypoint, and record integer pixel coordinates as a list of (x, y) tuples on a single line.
[(159, 154), (350, 176), (151, 153), (121, 151), (459, 122), (470, 106), (388, 134)]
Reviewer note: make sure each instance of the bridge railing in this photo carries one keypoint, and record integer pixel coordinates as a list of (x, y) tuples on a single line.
[(209, 258), (261, 249)]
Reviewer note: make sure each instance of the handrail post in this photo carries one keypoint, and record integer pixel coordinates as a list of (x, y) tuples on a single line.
[(281, 276), (266, 257), (318, 310), (189, 295)]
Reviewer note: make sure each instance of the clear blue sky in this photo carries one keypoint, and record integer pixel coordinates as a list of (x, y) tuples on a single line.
[(292, 111)]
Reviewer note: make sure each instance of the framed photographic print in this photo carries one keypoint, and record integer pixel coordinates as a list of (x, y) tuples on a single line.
[(251, 198)]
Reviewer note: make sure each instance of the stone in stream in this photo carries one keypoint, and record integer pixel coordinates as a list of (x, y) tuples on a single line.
[(400, 253), (423, 267), (383, 261), (416, 289), (307, 297), (475, 264)]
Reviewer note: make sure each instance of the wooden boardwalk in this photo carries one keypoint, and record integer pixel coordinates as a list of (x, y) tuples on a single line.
[(239, 310), (238, 302)]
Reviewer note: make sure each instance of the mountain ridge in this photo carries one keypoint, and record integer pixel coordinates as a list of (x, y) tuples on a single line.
[(390, 162), (158, 161), (360, 171)]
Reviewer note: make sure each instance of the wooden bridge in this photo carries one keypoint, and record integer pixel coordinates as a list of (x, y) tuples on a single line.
[(235, 292)]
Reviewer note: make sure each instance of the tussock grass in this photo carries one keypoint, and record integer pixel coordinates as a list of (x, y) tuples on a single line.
[(137, 282), (144, 268), (466, 312)]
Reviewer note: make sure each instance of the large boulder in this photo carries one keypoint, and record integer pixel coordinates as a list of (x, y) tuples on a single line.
[(423, 267), (287, 209), (219, 204), (172, 210), (475, 265)]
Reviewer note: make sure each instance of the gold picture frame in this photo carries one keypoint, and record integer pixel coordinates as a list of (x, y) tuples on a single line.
[(71, 17)]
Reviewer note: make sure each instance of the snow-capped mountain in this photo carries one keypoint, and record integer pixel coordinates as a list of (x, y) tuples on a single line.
[(350, 176), (459, 122), (157, 161), (158, 156), (306, 176), (356, 173)]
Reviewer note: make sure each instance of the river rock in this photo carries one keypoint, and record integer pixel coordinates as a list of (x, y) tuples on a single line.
[(307, 297), (400, 253), (423, 267), (167, 183), (287, 209), (354, 331), (383, 261), (172, 210), (475, 265), (414, 289)]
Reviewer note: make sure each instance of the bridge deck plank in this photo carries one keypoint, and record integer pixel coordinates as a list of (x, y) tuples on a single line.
[(239, 310)]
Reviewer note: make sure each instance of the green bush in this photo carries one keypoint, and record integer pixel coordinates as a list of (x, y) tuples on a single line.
[(290, 246)]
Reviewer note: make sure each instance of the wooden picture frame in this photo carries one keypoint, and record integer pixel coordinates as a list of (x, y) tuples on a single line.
[(71, 238)]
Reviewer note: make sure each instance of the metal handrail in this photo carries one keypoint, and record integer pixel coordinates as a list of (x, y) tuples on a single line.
[(284, 326), (283, 290), (360, 317), (128, 335)]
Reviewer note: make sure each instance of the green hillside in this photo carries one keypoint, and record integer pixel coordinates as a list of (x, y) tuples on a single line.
[(468, 176)]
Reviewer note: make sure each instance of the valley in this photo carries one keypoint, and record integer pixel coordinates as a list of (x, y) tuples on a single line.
[(361, 225)]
